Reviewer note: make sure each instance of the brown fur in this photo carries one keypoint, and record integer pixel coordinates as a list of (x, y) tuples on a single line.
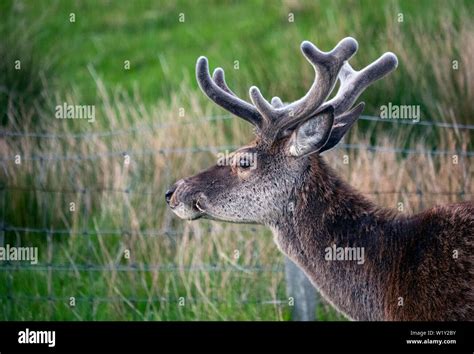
[(411, 267), (409, 271), (408, 257)]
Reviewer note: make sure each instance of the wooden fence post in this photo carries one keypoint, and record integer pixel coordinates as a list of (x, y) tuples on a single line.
[(2, 211), (303, 293)]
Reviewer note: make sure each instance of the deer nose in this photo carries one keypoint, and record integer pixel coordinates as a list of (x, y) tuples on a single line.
[(169, 194)]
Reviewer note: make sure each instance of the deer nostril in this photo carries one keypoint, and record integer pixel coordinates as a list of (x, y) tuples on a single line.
[(169, 194)]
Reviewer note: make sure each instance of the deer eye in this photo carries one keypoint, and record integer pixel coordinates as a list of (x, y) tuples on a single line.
[(244, 161)]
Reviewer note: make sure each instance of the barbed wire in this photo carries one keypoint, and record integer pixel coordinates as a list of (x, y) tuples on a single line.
[(135, 267), (164, 151), (419, 122), (109, 232), (405, 150), (216, 149), (70, 232), (24, 297), (172, 233), (211, 118), (99, 189), (154, 232), (113, 133)]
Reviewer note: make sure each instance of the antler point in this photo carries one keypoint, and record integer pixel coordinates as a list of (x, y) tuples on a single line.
[(218, 71), (307, 46), (253, 90), (391, 59)]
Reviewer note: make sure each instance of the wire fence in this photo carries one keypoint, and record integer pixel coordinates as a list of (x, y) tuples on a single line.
[(50, 233), (200, 149), (214, 149), (147, 127)]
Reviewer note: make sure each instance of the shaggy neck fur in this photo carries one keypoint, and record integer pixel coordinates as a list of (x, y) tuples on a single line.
[(326, 212)]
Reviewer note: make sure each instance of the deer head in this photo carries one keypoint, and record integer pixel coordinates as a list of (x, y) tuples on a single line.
[(258, 181)]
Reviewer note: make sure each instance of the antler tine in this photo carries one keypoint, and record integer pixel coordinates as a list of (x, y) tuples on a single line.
[(263, 106), (268, 110), (219, 78), (326, 66), (353, 83), (224, 97), (276, 102)]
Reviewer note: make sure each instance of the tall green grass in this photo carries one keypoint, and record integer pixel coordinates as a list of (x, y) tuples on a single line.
[(82, 63), (162, 50)]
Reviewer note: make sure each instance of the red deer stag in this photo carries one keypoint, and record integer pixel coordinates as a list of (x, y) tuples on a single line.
[(417, 267)]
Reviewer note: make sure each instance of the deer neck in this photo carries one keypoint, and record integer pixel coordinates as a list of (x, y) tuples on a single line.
[(329, 230)]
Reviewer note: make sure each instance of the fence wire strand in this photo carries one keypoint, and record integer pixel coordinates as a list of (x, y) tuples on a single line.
[(213, 118), (49, 267)]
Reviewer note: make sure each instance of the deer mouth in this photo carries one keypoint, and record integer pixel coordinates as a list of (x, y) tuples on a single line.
[(188, 211), (197, 206), (200, 210)]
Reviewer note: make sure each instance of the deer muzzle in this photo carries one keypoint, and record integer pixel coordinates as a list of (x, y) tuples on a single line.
[(185, 201)]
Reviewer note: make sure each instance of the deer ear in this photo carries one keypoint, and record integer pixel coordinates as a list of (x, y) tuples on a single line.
[(341, 125), (311, 135)]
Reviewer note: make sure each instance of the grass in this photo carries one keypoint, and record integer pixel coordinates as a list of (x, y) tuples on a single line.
[(162, 50), (82, 63)]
